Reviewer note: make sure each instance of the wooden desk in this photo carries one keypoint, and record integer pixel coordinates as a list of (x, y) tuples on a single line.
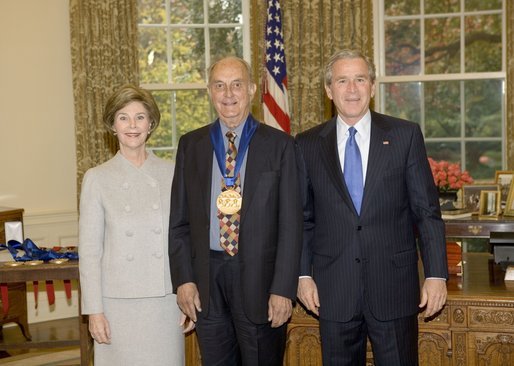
[(476, 327), (48, 271), (473, 227)]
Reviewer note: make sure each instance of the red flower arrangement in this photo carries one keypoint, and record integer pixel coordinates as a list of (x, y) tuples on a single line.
[(448, 176)]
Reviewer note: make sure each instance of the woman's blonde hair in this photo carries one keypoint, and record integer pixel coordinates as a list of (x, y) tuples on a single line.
[(126, 94)]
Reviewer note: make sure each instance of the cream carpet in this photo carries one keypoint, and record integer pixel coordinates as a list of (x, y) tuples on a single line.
[(70, 357)]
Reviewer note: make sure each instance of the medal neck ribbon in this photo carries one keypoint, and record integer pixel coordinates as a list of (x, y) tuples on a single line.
[(219, 147)]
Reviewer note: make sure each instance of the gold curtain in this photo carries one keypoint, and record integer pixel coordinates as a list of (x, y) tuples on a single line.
[(104, 56), (313, 31), (509, 18)]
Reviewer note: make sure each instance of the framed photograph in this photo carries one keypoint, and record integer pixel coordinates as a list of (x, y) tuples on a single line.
[(509, 205), (504, 178), (471, 195), (490, 205)]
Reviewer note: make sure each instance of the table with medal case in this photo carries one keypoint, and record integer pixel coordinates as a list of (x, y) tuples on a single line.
[(16, 278)]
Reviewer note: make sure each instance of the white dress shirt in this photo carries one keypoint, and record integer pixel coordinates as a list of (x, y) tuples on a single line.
[(362, 137)]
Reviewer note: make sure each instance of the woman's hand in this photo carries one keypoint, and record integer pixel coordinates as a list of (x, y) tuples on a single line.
[(186, 323), (99, 328)]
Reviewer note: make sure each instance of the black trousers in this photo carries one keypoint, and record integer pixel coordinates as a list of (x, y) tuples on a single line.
[(393, 342), (226, 336)]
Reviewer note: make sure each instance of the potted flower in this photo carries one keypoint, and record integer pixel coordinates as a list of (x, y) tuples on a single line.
[(448, 178)]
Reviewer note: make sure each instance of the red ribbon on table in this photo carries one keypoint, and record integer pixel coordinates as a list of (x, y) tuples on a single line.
[(5, 298), (50, 292), (67, 288), (35, 284)]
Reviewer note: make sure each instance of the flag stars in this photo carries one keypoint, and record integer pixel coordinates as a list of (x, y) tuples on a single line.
[(276, 70), (278, 58)]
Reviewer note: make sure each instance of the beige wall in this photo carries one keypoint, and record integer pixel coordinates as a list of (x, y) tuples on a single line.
[(37, 138), (37, 143)]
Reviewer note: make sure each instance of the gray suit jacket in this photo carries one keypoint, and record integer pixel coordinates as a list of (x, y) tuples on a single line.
[(372, 256), (271, 221), (123, 227)]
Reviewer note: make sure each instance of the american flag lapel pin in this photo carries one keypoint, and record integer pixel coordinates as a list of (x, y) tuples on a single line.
[(385, 142)]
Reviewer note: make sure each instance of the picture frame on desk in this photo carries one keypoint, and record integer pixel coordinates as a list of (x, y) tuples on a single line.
[(504, 179), (490, 205), (471, 195), (509, 205)]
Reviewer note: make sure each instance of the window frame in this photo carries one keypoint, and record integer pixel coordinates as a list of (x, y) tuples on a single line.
[(173, 86), (381, 78)]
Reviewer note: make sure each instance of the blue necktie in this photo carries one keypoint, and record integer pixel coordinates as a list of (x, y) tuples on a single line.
[(353, 169)]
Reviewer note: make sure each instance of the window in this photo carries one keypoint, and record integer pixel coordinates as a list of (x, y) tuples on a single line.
[(178, 39), (442, 65)]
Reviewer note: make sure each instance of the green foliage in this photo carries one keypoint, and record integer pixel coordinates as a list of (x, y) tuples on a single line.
[(483, 103), (442, 109), (402, 100), (483, 43), (407, 7), (402, 41), (441, 6)]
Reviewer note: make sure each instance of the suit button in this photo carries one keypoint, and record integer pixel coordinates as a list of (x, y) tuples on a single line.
[(359, 228), (127, 208), (129, 233), (129, 257), (357, 260), (155, 206)]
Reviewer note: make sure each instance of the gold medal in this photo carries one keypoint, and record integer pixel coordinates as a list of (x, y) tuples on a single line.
[(229, 202)]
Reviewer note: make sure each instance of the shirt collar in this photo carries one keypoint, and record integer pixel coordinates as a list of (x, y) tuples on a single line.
[(238, 130), (363, 126)]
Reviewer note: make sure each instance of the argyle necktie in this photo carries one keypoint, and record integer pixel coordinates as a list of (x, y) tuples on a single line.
[(353, 169), (229, 224)]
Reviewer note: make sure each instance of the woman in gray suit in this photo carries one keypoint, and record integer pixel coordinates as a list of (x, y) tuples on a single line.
[(123, 230)]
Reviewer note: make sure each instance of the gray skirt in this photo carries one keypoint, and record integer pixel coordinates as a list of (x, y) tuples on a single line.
[(144, 331)]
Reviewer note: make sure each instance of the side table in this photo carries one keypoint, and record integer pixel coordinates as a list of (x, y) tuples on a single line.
[(49, 271)]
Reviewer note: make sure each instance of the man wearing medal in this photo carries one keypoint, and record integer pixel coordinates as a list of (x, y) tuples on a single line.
[(236, 227)]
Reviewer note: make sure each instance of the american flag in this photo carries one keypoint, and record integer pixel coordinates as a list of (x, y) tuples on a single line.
[(274, 95)]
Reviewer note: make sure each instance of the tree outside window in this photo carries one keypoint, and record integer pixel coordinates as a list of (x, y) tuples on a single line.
[(444, 68)]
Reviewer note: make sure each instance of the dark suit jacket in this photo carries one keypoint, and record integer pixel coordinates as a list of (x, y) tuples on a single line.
[(271, 219), (373, 255)]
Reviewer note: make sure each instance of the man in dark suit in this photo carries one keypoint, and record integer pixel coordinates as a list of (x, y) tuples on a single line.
[(359, 269), (235, 227)]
